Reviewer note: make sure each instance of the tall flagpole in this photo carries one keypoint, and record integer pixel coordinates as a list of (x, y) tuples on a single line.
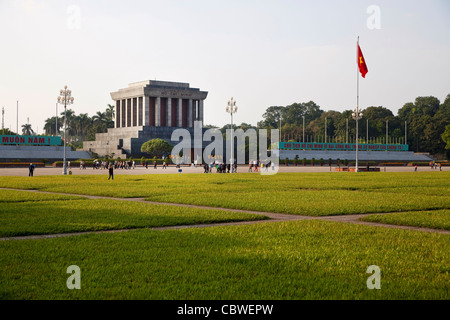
[(357, 110)]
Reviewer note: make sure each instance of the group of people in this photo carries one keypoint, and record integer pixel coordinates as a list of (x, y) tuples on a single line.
[(220, 167), (434, 165), (126, 165), (254, 165), (155, 164)]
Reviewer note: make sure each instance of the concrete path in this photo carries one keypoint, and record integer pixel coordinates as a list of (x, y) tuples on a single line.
[(23, 172), (273, 217)]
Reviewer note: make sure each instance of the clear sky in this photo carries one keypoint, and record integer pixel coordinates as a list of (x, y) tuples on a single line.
[(261, 52)]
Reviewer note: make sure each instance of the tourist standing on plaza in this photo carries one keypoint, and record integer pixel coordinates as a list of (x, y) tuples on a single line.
[(30, 170), (111, 172)]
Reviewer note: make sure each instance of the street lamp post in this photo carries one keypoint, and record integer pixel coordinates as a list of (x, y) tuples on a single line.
[(356, 115), (231, 109), (66, 99)]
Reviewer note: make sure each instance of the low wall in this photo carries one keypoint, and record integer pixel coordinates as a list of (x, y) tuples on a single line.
[(8, 153), (21, 164), (407, 156)]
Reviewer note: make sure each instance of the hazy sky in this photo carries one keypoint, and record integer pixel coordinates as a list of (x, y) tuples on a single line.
[(261, 52)]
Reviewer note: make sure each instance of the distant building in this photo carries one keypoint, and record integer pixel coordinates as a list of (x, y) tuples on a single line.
[(148, 110)]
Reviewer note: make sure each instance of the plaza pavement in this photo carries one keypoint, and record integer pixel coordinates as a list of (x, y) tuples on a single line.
[(186, 170)]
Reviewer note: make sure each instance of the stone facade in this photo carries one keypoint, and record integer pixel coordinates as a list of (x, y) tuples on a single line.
[(148, 110)]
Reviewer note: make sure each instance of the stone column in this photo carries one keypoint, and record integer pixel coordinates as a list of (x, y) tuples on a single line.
[(123, 105), (124, 115), (169, 112), (117, 110), (132, 111), (129, 107), (190, 114), (200, 111), (158, 112), (180, 113), (146, 110), (140, 111)]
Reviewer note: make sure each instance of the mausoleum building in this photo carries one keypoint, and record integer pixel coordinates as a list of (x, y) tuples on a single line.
[(148, 110)]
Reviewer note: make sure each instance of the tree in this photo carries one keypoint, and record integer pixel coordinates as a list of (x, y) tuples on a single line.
[(109, 114), (81, 124), (271, 117), (26, 129), (446, 137), (100, 121), (157, 148), (377, 117), (427, 120), (50, 126), (7, 132)]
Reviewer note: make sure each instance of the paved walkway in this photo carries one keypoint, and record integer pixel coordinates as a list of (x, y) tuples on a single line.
[(23, 172), (273, 217)]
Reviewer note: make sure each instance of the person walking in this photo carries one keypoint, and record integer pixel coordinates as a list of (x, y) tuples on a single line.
[(31, 170), (111, 172)]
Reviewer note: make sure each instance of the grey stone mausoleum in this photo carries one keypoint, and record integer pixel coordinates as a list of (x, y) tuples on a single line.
[(148, 110)]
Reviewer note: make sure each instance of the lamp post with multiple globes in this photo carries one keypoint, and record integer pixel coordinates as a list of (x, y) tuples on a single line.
[(231, 109), (65, 98)]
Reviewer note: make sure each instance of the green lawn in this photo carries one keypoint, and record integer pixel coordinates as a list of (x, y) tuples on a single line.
[(438, 219), (307, 259), (294, 193), (13, 196), (26, 213), (286, 260)]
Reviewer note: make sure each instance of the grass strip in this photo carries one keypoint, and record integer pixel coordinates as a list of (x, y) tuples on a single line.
[(53, 217), (286, 260), (438, 219)]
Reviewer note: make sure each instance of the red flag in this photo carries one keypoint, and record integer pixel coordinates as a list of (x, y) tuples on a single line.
[(362, 63)]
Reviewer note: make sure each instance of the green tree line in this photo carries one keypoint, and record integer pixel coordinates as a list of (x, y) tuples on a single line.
[(424, 120), (80, 127)]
